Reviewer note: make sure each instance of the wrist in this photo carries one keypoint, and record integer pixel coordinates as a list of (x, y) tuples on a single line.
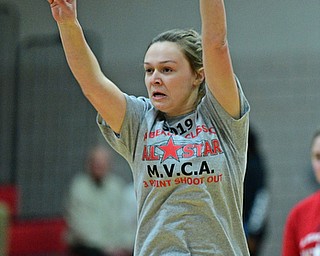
[(69, 24)]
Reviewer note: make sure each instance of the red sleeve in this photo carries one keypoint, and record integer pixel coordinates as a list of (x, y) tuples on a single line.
[(290, 245)]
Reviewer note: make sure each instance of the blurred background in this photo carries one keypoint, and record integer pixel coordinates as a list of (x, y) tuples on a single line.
[(46, 125)]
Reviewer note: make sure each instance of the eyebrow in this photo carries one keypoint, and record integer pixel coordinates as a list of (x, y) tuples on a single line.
[(161, 62)]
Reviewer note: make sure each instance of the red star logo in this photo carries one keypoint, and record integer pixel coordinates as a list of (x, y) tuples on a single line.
[(170, 150)]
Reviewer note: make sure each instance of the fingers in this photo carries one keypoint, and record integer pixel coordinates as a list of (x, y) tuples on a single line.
[(52, 3), (57, 1), (63, 3)]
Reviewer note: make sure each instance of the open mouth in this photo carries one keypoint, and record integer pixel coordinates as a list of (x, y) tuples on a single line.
[(158, 95)]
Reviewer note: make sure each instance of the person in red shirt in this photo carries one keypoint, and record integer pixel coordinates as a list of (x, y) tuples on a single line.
[(302, 229)]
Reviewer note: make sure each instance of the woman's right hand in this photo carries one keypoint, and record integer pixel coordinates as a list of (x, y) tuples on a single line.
[(63, 11)]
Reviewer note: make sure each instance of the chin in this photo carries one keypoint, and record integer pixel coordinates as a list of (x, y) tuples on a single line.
[(158, 106)]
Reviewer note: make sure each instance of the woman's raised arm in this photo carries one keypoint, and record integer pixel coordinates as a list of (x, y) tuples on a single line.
[(103, 94), (216, 57)]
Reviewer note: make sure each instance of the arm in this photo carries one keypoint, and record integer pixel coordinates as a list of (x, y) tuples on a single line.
[(104, 95), (216, 57)]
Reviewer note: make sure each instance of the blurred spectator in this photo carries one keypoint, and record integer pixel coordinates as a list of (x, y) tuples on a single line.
[(302, 229), (97, 201), (256, 196)]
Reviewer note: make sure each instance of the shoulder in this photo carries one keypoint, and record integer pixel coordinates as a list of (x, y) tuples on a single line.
[(79, 178), (79, 183), (308, 200), (137, 109), (211, 100), (116, 179), (304, 204), (138, 102)]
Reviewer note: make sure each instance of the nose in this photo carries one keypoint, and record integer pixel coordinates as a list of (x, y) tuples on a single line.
[(156, 78)]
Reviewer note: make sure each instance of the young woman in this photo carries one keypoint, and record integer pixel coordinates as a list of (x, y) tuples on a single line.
[(186, 143), (302, 229)]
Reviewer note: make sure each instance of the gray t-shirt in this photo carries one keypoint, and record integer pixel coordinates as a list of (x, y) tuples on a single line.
[(188, 173)]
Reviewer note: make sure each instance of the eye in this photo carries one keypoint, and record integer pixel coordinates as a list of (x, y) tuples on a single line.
[(148, 70), (166, 70)]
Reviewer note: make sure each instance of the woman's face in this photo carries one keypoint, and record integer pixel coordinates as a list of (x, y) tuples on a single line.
[(315, 157), (171, 83)]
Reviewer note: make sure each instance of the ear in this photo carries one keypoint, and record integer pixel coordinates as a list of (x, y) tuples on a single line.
[(200, 76)]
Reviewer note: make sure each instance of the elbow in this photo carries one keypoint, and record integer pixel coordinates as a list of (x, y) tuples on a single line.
[(217, 41), (88, 93), (86, 89), (90, 83)]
